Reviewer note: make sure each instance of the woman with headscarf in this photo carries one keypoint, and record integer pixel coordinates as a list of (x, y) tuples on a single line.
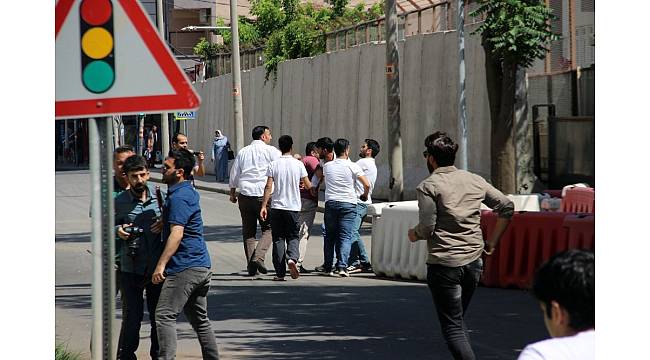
[(220, 147)]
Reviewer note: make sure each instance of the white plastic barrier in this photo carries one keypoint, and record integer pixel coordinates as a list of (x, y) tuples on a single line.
[(393, 255)]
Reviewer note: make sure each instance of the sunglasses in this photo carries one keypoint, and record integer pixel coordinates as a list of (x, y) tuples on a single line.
[(425, 153)]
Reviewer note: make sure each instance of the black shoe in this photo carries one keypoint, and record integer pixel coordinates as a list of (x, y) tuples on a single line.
[(303, 270), (252, 268), (366, 268), (260, 266), (321, 269)]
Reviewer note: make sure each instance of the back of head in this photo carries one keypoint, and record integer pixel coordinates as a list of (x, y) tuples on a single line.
[(183, 159), (285, 143), (569, 279), (311, 146), (258, 131), (442, 148), (340, 145), (134, 163), (325, 143), (373, 145)]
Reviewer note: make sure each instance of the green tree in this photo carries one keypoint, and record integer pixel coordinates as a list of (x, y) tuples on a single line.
[(514, 34)]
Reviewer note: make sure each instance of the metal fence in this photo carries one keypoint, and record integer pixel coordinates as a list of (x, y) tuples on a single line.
[(564, 150)]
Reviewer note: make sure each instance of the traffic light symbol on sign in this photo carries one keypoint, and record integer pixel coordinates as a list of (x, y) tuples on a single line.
[(97, 45)]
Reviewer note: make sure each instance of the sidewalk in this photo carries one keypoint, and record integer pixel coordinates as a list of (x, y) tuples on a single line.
[(209, 183)]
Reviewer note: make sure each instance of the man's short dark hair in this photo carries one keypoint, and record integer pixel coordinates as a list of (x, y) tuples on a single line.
[(311, 146), (568, 278), (340, 145), (373, 145), (325, 143), (183, 159), (122, 149), (258, 131), (134, 163), (285, 143), (175, 137), (442, 148)]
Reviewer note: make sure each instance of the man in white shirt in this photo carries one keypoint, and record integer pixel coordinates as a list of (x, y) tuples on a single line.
[(359, 260), (564, 287), (248, 173), (285, 173), (341, 206)]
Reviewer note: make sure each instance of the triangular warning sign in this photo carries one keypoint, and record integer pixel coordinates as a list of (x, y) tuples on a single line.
[(111, 60)]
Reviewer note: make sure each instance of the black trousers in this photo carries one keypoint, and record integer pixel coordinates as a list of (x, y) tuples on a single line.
[(132, 287), (452, 289), (285, 231)]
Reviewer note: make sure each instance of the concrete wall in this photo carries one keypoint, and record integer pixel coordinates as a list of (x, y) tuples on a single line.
[(343, 94)]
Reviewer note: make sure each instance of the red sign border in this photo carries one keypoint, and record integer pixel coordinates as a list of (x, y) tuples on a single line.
[(185, 97)]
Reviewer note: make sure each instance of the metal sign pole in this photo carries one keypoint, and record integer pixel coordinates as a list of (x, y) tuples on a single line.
[(462, 105), (103, 235), (396, 183)]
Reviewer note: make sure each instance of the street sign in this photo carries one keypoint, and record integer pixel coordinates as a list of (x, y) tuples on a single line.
[(111, 60), (185, 115)]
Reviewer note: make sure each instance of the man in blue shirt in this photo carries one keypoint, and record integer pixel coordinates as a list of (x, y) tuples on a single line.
[(184, 266), (137, 207)]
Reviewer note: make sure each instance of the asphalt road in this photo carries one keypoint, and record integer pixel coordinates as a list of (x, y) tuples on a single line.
[(314, 317)]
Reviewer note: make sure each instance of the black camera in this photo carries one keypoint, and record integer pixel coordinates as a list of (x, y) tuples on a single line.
[(196, 153), (135, 233)]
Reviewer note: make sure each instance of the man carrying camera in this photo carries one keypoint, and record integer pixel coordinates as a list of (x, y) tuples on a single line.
[(138, 225), (179, 141)]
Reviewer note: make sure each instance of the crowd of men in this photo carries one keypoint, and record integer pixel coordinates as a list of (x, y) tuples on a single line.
[(261, 172), (161, 251)]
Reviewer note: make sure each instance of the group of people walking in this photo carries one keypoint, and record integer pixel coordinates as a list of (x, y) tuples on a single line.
[(161, 250), (280, 193)]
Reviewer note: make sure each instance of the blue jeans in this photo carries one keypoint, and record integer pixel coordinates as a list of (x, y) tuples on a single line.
[(452, 289), (339, 222), (358, 254)]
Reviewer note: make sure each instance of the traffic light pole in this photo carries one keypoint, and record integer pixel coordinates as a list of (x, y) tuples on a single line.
[(396, 183), (164, 118), (103, 238), (236, 78)]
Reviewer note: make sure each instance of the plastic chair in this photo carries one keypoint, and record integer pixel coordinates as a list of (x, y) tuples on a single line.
[(579, 200)]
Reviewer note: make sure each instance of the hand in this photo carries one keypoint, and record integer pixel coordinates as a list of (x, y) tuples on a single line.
[(157, 227), (364, 197), (412, 235), (158, 275), (233, 198), (123, 234), (264, 213), (488, 249)]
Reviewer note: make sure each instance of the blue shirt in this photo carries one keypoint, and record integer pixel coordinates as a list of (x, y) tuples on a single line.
[(182, 208), (129, 209)]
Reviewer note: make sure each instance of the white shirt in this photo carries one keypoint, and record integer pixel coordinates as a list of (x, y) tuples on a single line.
[(581, 346), (370, 171), (340, 177), (286, 173), (248, 171)]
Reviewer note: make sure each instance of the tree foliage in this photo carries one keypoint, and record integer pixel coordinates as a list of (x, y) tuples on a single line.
[(516, 31), (514, 34), (289, 29)]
